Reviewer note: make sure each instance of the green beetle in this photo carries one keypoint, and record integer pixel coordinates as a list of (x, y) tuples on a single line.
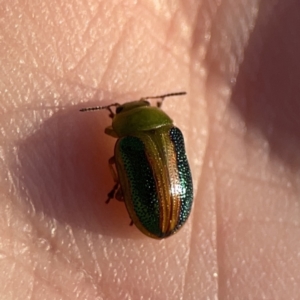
[(151, 172)]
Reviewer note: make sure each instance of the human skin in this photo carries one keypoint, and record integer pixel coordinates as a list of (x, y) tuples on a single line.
[(239, 63)]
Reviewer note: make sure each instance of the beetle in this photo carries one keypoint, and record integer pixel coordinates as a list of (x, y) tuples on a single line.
[(149, 167)]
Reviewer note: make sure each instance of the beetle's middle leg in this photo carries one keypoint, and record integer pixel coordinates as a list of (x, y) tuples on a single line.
[(116, 191)]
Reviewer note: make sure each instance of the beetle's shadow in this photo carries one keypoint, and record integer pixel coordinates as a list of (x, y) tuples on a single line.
[(266, 93), (62, 172)]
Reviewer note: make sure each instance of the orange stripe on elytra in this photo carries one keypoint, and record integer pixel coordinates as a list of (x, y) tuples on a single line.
[(174, 184), (161, 155), (167, 179)]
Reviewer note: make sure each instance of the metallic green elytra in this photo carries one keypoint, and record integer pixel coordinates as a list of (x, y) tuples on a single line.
[(151, 172)]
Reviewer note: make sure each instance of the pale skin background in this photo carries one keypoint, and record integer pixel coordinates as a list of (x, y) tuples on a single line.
[(238, 61)]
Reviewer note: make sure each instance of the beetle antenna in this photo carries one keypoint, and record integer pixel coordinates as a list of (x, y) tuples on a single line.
[(162, 97), (165, 95), (99, 107), (108, 107)]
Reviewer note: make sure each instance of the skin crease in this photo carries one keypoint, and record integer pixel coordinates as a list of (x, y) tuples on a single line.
[(239, 63)]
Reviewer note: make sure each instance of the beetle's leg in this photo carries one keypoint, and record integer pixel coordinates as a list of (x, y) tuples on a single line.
[(119, 195), (113, 172), (112, 193), (109, 131)]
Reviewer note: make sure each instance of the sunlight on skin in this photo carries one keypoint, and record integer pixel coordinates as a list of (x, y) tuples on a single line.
[(237, 60)]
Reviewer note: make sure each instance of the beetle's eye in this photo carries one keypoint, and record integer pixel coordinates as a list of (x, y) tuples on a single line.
[(119, 109)]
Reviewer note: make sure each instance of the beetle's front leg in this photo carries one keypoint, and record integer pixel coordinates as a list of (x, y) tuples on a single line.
[(116, 191)]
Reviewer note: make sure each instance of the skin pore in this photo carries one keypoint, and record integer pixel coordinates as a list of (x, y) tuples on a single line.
[(237, 61)]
